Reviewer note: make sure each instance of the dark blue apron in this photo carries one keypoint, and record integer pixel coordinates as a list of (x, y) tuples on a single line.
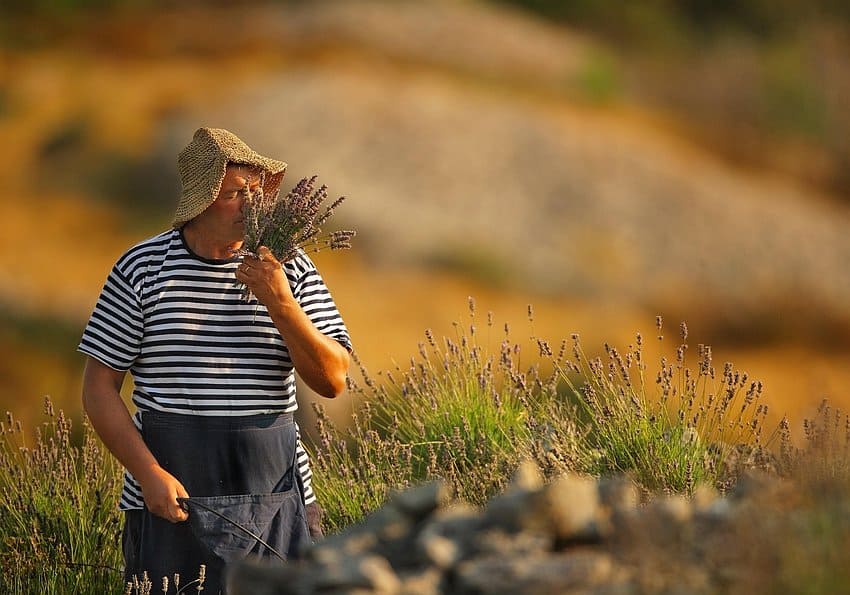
[(240, 469)]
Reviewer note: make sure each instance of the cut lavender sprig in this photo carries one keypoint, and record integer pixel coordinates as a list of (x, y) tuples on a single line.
[(289, 224)]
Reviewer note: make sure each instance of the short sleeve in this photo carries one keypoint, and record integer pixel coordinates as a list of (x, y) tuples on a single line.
[(315, 299), (113, 334)]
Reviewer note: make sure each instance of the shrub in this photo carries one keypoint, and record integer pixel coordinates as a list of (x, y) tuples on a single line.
[(673, 430), (59, 525), (467, 412), (461, 411)]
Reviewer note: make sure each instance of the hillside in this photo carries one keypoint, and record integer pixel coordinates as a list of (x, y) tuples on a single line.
[(472, 163)]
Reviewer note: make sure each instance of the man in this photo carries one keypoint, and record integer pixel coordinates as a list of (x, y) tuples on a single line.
[(213, 375)]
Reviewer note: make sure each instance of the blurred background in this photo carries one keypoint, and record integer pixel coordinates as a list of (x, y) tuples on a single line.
[(604, 161)]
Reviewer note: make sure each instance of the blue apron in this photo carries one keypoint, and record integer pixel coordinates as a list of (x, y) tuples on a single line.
[(240, 469)]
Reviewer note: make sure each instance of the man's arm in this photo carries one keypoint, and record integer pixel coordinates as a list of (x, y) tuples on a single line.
[(321, 361), (111, 419)]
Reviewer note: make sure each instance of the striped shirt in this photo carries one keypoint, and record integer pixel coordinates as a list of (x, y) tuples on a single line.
[(179, 324)]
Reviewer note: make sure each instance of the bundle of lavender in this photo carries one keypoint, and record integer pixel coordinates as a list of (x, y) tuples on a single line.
[(285, 225)]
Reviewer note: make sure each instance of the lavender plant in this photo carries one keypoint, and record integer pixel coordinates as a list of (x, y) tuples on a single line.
[(465, 409), (59, 526), (682, 429), (469, 412)]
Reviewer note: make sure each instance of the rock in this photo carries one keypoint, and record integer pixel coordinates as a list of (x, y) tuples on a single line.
[(371, 574), (521, 544), (720, 510), (566, 509), (753, 482), (426, 582), (675, 509), (618, 494), (440, 551), (527, 477), (570, 507), (420, 501), (513, 511), (573, 535), (387, 523), (253, 578), (555, 574), (351, 543), (703, 498), (449, 535)]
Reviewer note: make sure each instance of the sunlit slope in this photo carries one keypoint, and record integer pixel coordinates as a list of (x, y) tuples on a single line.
[(469, 171)]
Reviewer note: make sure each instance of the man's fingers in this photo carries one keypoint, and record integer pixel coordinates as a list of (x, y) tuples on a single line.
[(266, 255), (182, 514)]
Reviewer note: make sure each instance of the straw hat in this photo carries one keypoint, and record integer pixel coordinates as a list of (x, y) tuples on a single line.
[(203, 163)]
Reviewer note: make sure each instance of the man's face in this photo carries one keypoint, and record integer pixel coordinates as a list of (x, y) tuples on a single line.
[(223, 218)]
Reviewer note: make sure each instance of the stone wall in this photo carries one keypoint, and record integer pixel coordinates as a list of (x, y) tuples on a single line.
[(573, 535)]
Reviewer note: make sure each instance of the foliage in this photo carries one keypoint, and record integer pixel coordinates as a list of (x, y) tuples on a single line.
[(459, 411), (468, 409), (672, 430), (59, 525), (599, 79), (699, 17), (468, 413)]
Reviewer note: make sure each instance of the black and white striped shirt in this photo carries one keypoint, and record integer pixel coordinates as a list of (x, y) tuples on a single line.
[(179, 324)]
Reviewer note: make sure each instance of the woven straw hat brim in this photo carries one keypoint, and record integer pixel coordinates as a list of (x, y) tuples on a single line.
[(203, 164)]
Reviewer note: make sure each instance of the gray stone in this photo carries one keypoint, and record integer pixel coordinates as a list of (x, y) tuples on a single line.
[(513, 511), (387, 523), (570, 507), (674, 509), (720, 510), (663, 523), (618, 494), (530, 539), (524, 543), (254, 578), (349, 543), (753, 483), (424, 582), (703, 498), (371, 574), (527, 477), (566, 508), (543, 575), (420, 501), (449, 535), (439, 551)]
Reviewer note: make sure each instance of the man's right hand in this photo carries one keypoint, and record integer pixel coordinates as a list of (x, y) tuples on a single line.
[(161, 490), (111, 419)]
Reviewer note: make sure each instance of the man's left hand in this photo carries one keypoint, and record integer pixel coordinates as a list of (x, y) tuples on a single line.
[(265, 278)]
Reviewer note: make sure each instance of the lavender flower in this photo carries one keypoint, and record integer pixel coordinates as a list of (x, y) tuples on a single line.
[(292, 223)]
